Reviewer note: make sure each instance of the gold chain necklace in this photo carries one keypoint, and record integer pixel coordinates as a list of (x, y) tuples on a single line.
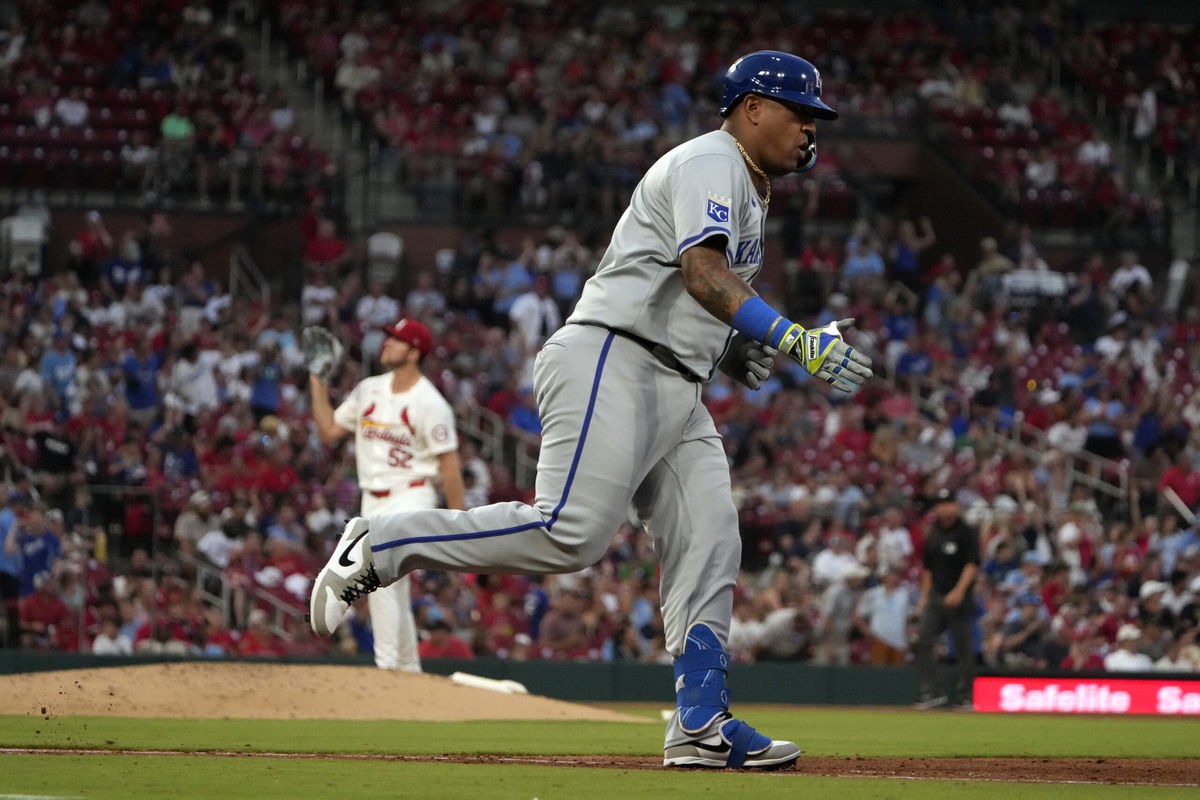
[(766, 201)]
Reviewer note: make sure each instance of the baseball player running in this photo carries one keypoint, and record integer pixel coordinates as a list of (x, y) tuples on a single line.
[(404, 442), (618, 390)]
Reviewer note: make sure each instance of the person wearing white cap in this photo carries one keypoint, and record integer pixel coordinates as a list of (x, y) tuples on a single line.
[(1126, 657), (1152, 603), (405, 443), (196, 519)]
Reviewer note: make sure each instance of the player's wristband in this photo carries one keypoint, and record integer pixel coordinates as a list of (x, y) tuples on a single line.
[(759, 321)]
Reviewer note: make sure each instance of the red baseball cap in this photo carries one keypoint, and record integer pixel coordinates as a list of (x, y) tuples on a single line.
[(412, 332)]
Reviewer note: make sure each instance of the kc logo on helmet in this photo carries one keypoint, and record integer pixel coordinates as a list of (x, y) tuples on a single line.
[(718, 208)]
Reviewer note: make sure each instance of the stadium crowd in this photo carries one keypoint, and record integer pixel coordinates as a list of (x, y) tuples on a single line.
[(152, 99), (156, 429), (558, 111), (154, 423)]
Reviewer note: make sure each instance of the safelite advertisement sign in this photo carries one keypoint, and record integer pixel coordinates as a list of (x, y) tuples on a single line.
[(1087, 696)]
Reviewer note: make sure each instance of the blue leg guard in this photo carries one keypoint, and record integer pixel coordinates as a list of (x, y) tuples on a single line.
[(701, 696), (700, 692)]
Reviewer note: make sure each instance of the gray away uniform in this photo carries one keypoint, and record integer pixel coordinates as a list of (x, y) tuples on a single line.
[(620, 424)]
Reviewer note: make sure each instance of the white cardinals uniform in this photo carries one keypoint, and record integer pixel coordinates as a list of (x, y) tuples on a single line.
[(397, 439)]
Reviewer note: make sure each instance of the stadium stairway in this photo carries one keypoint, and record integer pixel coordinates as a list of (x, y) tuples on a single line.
[(367, 197)]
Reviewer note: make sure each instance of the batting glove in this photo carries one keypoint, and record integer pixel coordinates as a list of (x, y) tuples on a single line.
[(825, 354), (748, 361)]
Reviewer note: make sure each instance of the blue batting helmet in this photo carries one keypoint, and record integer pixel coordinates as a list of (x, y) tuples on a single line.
[(782, 76)]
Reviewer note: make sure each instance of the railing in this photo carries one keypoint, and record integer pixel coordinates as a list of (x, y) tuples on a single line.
[(490, 431), (207, 574), (1137, 162), (118, 498), (244, 272), (528, 446), (280, 611), (486, 428), (1088, 469)]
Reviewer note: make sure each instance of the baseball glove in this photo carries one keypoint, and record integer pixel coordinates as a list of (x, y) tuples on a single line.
[(322, 352)]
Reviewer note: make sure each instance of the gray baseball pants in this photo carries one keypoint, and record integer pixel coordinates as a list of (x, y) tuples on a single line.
[(619, 428)]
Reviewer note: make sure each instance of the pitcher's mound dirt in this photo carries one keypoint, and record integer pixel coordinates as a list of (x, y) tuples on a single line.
[(275, 691)]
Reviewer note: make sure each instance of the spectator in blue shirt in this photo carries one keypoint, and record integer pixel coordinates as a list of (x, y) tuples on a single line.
[(40, 549), (898, 319), (287, 528), (58, 367), (537, 603), (525, 416), (264, 391), (125, 267), (915, 360), (11, 563), (512, 282), (1003, 561), (862, 262), (141, 381)]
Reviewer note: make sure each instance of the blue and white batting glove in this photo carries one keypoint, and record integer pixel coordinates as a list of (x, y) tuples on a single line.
[(826, 355)]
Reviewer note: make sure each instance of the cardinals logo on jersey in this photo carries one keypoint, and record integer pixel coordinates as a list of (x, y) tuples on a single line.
[(387, 431)]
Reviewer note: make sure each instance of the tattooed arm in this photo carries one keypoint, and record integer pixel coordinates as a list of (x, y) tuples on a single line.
[(708, 278)]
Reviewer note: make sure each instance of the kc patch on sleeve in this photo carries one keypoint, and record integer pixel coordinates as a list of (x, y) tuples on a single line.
[(718, 207)]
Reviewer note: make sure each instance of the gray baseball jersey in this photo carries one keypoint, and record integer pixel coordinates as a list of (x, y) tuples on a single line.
[(699, 190), (621, 428)]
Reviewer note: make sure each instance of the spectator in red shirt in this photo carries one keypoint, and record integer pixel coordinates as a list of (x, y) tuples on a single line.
[(237, 475), (563, 634), (500, 623), (1187, 331), (276, 474), (1055, 589), (91, 248), (443, 644), (169, 632), (218, 640), (41, 614), (258, 639), (326, 248), (1084, 654), (1184, 480), (851, 437), (506, 398)]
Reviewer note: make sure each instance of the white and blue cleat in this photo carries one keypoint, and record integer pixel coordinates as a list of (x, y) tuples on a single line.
[(702, 732)]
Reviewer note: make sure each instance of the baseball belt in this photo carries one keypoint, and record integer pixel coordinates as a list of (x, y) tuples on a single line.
[(385, 492), (659, 351)]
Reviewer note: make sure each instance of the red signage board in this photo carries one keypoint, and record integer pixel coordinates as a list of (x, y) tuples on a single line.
[(1087, 695)]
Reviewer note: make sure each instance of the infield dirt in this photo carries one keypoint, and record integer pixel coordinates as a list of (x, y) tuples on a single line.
[(275, 691)]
